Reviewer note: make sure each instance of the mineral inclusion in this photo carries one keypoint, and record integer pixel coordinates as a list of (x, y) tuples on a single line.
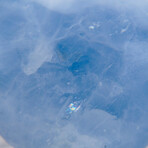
[(74, 73)]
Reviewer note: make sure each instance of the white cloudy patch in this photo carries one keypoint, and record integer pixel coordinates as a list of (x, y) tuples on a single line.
[(137, 9), (40, 54), (93, 128), (69, 137), (58, 5), (4, 144), (67, 5), (92, 56), (99, 123)]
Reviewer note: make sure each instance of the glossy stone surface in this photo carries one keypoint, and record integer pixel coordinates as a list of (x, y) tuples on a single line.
[(74, 73)]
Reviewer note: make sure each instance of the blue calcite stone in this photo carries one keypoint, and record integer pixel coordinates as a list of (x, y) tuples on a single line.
[(74, 74)]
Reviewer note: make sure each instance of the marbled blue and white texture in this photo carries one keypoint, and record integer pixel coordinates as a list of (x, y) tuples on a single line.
[(93, 54)]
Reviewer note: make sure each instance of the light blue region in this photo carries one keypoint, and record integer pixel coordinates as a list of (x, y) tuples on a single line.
[(98, 60)]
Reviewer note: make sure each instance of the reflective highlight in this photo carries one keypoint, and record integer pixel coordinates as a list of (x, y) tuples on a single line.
[(73, 107)]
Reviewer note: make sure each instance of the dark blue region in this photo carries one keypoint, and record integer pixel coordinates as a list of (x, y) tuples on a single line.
[(84, 58)]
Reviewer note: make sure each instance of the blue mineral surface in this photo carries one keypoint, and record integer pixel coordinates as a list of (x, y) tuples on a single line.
[(74, 73)]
